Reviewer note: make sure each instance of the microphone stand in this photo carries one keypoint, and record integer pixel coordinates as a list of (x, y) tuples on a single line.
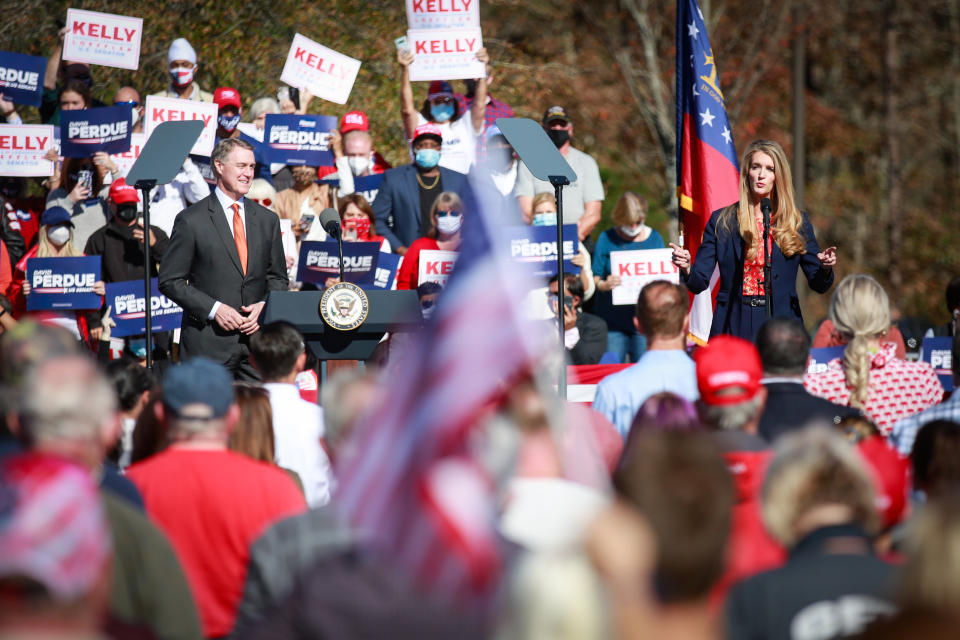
[(558, 183), (767, 267), (145, 186), (334, 230)]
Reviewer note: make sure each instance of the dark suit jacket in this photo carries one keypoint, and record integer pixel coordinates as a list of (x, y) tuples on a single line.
[(593, 340), (201, 266), (725, 249), (790, 407), (397, 205)]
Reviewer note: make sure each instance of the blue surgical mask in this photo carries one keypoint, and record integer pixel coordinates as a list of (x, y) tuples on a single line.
[(545, 219), (427, 158), (138, 347), (442, 112)]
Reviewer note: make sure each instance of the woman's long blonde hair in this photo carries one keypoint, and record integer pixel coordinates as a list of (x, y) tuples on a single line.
[(45, 248), (785, 219), (860, 310)]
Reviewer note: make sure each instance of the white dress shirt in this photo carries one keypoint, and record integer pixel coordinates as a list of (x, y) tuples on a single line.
[(226, 202)]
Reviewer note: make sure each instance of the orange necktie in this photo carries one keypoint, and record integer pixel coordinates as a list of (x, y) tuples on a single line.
[(239, 236)]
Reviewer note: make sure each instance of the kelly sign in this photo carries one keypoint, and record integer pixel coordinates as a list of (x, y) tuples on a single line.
[(103, 38), (126, 159), (84, 132), (22, 147), (436, 266), (21, 77), (538, 246), (938, 352), (321, 260), (63, 283), (443, 14), (445, 54), (128, 309), (160, 110), (637, 268), (294, 139), (322, 71)]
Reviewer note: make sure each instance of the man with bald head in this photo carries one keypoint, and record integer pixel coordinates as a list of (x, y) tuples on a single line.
[(129, 95)]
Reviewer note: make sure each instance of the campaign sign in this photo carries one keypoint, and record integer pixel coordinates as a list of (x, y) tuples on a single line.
[(125, 159), (250, 133), (21, 77), (128, 309), (538, 246), (436, 266), (63, 283), (103, 38), (443, 14), (322, 71), (367, 186), (84, 132), (638, 268), (22, 149), (295, 139), (173, 110), (820, 356), (938, 352), (321, 260), (445, 54), (387, 267)]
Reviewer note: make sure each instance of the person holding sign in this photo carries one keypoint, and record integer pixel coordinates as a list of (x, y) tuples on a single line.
[(442, 109), (630, 233), (731, 242), (446, 218), (82, 190), (223, 258)]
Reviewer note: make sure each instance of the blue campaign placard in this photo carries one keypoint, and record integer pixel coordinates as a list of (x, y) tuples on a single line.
[(259, 149), (939, 353), (387, 267), (21, 77), (84, 132), (820, 356), (538, 246), (63, 283), (321, 260), (294, 139), (128, 309)]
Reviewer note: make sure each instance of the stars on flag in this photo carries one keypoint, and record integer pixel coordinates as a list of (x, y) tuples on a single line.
[(706, 118), (692, 30), (726, 135)]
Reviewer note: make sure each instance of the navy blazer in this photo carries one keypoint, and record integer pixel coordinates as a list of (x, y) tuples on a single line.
[(725, 249), (397, 205)]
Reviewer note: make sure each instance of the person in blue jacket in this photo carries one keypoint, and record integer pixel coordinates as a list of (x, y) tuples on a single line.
[(732, 243)]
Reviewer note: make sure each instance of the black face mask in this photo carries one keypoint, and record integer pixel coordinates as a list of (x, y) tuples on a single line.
[(127, 213), (559, 136)]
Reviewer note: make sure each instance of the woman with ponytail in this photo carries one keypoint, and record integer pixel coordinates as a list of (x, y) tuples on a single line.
[(869, 376)]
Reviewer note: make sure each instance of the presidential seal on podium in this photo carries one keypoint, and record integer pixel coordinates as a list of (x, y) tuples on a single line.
[(344, 306)]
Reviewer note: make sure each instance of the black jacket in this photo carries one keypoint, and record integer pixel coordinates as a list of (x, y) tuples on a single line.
[(790, 407), (831, 587), (121, 254), (593, 339)]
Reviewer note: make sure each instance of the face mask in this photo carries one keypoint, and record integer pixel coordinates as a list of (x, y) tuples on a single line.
[(427, 158), (181, 77), (127, 213), (449, 225), (362, 225), (59, 235), (544, 219), (427, 311), (138, 347), (442, 112), (228, 123), (358, 164), (632, 232), (559, 137), (134, 116)]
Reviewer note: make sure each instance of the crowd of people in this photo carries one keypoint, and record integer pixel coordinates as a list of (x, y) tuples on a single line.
[(717, 491)]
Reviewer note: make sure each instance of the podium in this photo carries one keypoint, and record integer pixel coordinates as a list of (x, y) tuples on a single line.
[(395, 311)]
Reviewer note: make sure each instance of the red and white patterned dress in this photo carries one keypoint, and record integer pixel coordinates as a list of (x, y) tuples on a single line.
[(897, 388)]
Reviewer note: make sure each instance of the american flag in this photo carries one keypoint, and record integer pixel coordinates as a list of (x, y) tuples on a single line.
[(412, 479), (708, 175)]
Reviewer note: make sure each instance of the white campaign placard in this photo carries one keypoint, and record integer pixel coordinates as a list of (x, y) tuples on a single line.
[(126, 159), (22, 149), (322, 71), (159, 110), (103, 38), (436, 266), (443, 14), (638, 268), (445, 54)]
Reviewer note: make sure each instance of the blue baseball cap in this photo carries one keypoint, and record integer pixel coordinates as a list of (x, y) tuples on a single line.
[(198, 381), (54, 216)]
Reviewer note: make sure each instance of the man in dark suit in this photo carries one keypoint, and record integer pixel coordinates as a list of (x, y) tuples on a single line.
[(587, 344), (223, 257), (784, 347), (407, 193)]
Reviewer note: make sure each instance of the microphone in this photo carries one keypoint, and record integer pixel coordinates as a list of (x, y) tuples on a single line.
[(766, 206), (330, 221)]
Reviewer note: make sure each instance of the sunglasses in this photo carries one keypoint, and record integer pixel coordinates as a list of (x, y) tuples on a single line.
[(132, 103), (442, 100), (443, 214), (264, 201)]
